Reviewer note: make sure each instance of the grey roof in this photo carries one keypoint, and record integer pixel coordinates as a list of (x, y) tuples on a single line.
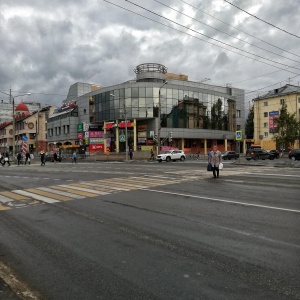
[(285, 90)]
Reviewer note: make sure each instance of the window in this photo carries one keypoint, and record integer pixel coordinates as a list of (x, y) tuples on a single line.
[(265, 124), (266, 134), (265, 114), (266, 103), (238, 113), (238, 127), (281, 101)]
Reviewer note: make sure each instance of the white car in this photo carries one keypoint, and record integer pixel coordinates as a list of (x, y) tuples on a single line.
[(171, 155)]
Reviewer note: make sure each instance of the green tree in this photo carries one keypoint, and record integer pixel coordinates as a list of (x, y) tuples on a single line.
[(249, 126), (287, 128)]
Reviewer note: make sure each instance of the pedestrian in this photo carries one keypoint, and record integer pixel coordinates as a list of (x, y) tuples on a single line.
[(19, 157), (215, 158), (55, 156), (43, 158), (151, 155), (198, 155), (1, 158), (130, 154), (6, 159), (27, 158), (74, 157)]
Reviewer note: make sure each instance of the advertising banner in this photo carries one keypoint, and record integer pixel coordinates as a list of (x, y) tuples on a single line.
[(96, 147), (96, 141), (80, 135), (272, 125), (96, 134)]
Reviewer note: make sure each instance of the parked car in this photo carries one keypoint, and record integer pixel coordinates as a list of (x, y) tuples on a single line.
[(275, 152), (50, 157), (294, 154), (171, 155), (257, 154), (229, 155)]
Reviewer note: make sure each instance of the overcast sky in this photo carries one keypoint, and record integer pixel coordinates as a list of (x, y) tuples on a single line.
[(48, 45)]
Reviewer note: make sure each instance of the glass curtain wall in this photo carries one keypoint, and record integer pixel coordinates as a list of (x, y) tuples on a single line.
[(180, 108)]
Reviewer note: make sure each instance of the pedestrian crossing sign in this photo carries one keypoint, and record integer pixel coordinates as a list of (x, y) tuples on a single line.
[(238, 135), (122, 138)]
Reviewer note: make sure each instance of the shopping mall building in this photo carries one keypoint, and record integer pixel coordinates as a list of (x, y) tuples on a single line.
[(188, 115)]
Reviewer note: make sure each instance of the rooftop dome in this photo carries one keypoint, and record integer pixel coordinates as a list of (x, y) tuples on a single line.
[(22, 107)]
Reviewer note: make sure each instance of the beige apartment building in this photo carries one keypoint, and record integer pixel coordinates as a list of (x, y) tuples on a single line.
[(267, 108)]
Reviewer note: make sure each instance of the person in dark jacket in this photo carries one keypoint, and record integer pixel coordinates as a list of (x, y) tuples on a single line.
[(27, 158), (42, 158), (19, 158)]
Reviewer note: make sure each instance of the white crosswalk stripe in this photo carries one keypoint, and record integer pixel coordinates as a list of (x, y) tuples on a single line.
[(61, 193), (35, 196), (84, 189)]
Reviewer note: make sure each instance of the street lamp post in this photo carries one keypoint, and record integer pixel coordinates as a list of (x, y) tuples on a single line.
[(13, 114), (158, 118)]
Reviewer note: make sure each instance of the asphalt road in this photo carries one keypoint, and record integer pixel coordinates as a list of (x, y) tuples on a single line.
[(146, 230)]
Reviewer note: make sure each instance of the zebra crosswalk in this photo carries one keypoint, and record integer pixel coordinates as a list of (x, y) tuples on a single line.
[(21, 198)]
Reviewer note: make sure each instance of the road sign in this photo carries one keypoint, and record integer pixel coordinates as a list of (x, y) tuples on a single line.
[(25, 138), (122, 138), (155, 136), (238, 135)]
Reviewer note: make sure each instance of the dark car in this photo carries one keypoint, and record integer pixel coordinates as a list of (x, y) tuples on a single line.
[(276, 153), (50, 157), (230, 155), (294, 154), (257, 154)]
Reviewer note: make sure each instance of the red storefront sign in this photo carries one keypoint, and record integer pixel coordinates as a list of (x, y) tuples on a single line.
[(96, 147)]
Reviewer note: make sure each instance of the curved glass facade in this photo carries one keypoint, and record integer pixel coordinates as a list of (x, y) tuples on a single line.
[(180, 108)]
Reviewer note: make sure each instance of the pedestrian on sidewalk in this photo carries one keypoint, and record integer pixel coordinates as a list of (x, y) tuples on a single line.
[(215, 158), (6, 158), (43, 158), (19, 157), (27, 158), (74, 157), (151, 155), (130, 153)]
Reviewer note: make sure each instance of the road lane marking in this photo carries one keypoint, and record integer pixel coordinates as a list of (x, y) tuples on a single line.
[(14, 196), (61, 193), (279, 175), (49, 195), (4, 207), (74, 191), (225, 201), (101, 188), (35, 196), (111, 187), (83, 187)]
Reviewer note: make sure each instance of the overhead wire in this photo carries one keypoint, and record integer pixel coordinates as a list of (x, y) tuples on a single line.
[(186, 33), (255, 37), (168, 26), (263, 20), (193, 30), (261, 48)]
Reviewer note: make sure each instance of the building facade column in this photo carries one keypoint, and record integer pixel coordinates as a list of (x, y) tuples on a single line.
[(117, 137), (182, 144), (134, 135), (225, 144), (205, 146), (104, 142)]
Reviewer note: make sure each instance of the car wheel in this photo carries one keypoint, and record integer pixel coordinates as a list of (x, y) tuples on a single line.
[(293, 158), (182, 158), (168, 159), (248, 159), (256, 157)]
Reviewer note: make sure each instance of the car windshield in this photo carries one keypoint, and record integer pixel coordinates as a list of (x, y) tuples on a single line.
[(166, 152)]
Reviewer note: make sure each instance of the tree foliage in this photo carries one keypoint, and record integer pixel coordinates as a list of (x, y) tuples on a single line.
[(287, 128), (249, 126)]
